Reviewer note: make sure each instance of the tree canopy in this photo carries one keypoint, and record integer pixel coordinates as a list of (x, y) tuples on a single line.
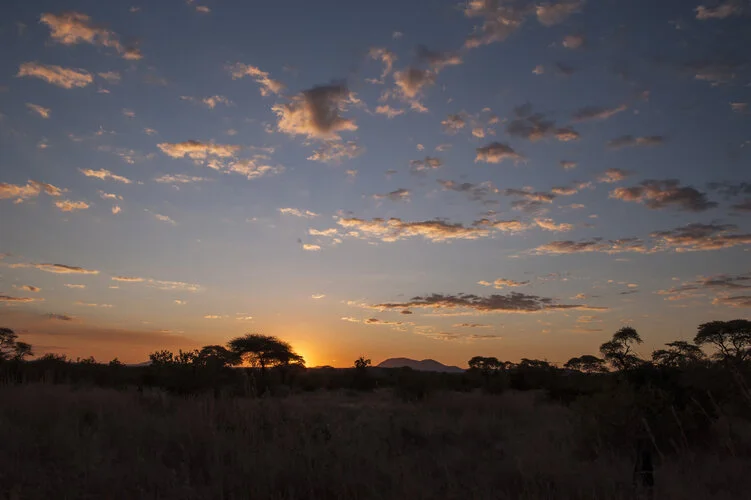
[(264, 351), (11, 347), (732, 339), (618, 351)]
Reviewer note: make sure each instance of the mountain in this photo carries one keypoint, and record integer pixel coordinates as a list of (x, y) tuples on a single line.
[(426, 365)]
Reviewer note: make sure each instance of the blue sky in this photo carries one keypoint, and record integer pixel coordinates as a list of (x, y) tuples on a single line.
[(422, 179)]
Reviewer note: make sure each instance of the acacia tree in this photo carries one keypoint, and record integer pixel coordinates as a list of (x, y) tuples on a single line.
[(732, 339), (587, 364), (618, 351), (486, 364), (264, 351), (215, 357), (11, 348), (362, 363), (678, 355)]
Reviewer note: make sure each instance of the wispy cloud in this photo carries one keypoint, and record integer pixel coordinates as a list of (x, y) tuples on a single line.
[(298, 213), (40, 110), (66, 78), (400, 194), (32, 189), (597, 113), (626, 141), (262, 78), (70, 28), (719, 11), (496, 152), (71, 206), (210, 102), (165, 218), (55, 268), (104, 175), (9, 300)]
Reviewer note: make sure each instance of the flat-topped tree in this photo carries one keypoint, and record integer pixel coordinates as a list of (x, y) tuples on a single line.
[(11, 348), (618, 351), (732, 339), (264, 351)]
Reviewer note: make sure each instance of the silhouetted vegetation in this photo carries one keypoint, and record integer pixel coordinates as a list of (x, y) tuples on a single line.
[(687, 401)]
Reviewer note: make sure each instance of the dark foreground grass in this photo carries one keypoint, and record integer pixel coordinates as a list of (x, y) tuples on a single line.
[(59, 442)]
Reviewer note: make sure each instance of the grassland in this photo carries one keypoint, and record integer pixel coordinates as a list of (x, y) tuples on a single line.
[(58, 441)]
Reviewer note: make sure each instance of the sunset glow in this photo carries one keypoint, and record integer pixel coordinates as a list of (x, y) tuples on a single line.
[(423, 179)]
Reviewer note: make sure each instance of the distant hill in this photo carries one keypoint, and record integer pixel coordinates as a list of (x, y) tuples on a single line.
[(426, 365)]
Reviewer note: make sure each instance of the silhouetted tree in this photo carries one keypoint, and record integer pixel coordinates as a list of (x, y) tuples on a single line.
[(618, 351), (162, 358), (186, 357), (587, 364), (680, 354), (215, 357), (115, 363), (264, 351), (486, 364), (732, 339), (362, 363), (533, 364), (11, 348)]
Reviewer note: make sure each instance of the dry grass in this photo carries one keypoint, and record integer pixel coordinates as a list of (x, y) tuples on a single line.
[(57, 442)]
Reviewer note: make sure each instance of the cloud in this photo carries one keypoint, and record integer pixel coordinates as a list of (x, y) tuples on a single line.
[(720, 11), (567, 164), (438, 60), (656, 194), (424, 165), (202, 9), (471, 325), (400, 194), (734, 301), (573, 42), (534, 126), (8, 300), (29, 288), (210, 102), (333, 151), (597, 113), (744, 206), (501, 283), (316, 112), (165, 218), (722, 287), (475, 192), (32, 189), (386, 57), (739, 107), (103, 174), (389, 111), (180, 179), (55, 268), (396, 325), (531, 202), (71, 285), (197, 150), (453, 123), (331, 232), (128, 279), (551, 225), (71, 206), (551, 13), (59, 317), (700, 237), (539, 69), (613, 175), (496, 152), (513, 302), (317, 296), (110, 76), (500, 20), (730, 189), (394, 229), (298, 213), (92, 304), (116, 209), (159, 284), (626, 141), (66, 78), (311, 248), (71, 28), (40, 110), (591, 245), (262, 78), (412, 81)]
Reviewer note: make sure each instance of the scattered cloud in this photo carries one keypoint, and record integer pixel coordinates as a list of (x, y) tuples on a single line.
[(311, 248), (334, 151), (92, 304), (55, 268), (318, 296), (110, 76), (613, 175), (476, 192), (551, 225), (513, 302), (699, 237), (425, 165), (744, 206), (165, 218), (627, 141), (197, 150), (535, 126), (739, 107), (316, 112), (568, 164), (29, 288), (720, 11), (389, 111), (499, 21), (539, 69), (496, 152), (40, 110), (71, 28), (597, 113), (298, 213), (262, 78), (71, 206), (32, 189), (656, 194), (573, 42), (412, 81), (501, 283), (8, 300), (180, 179), (400, 194), (453, 123), (74, 285), (103, 174), (210, 102), (592, 245), (386, 57), (59, 317), (66, 78), (394, 229)]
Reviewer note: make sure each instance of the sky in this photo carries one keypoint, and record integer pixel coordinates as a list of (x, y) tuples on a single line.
[(423, 178)]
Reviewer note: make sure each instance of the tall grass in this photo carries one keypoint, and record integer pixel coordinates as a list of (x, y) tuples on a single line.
[(66, 443)]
